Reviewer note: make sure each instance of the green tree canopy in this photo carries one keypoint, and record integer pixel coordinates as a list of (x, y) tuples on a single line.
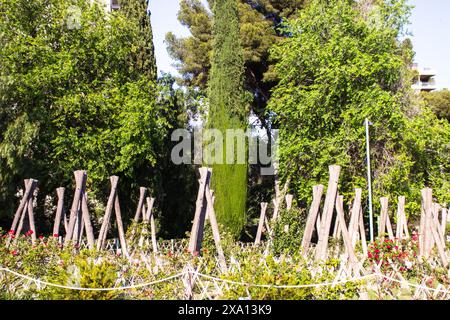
[(439, 102), (342, 63), (77, 91), (260, 27), (228, 110)]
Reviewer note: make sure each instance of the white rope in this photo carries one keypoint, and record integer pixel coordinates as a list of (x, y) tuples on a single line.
[(312, 285), (286, 286), (41, 282), (315, 285)]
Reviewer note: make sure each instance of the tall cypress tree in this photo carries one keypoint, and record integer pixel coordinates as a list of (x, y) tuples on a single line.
[(228, 110), (144, 57)]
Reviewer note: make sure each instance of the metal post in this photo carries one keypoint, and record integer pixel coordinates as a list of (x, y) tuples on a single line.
[(369, 179)]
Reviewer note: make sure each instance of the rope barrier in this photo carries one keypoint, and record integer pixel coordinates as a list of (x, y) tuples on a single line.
[(313, 285), (41, 282), (324, 284)]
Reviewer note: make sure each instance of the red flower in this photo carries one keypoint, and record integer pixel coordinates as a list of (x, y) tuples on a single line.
[(170, 254), (11, 232), (14, 252), (41, 237), (56, 235)]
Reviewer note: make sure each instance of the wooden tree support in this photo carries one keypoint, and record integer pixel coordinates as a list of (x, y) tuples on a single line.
[(25, 206), (278, 201), (139, 209), (60, 212), (312, 217), (148, 217), (354, 217), (430, 233), (402, 223), (204, 206), (113, 201), (385, 222), (327, 215), (262, 218), (79, 220)]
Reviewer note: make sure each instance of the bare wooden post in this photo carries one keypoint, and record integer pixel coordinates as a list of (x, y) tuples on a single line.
[(142, 193), (59, 210), (388, 222), (87, 222), (123, 242), (312, 216), (200, 212), (21, 222), (400, 217), (31, 219), (261, 222), (278, 197), (383, 214), (362, 232), (289, 199), (79, 181), (29, 190), (437, 236), (444, 221), (150, 204), (427, 202), (107, 217), (215, 229), (345, 235), (354, 218), (151, 217), (327, 215)]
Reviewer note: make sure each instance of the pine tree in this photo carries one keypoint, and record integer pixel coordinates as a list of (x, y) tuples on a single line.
[(228, 111), (144, 58)]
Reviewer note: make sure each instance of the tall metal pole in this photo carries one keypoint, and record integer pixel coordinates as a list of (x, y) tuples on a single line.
[(369, 179)]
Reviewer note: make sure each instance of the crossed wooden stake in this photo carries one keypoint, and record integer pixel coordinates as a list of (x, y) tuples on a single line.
[(25, 206), (79, 220), (205, 207), (147, 216), (60, 213), (430, 230), (113, 203)]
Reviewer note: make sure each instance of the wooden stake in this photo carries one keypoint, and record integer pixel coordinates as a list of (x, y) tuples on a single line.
[(261, 222), (215, 229), (327, 215), (30, 186), (354, 218), (142, 193), (200, 212), (312, 217), (101, 241), (87, 222), (151, 217), (79, 188), (289, 199), (59, 210), (123, 242)]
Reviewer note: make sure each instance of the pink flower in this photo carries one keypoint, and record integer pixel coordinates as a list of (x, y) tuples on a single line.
[(14, 252)]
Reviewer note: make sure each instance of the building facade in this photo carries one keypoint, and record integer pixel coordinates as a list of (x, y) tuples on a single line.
[(425, 79)]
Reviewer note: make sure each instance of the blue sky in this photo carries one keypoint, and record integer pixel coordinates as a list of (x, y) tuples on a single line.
[(430, 26)]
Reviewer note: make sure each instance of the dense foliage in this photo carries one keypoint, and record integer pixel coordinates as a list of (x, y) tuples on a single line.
[(78, 90), (260, 28), (227, 110), (439, 102), (343, 62)]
